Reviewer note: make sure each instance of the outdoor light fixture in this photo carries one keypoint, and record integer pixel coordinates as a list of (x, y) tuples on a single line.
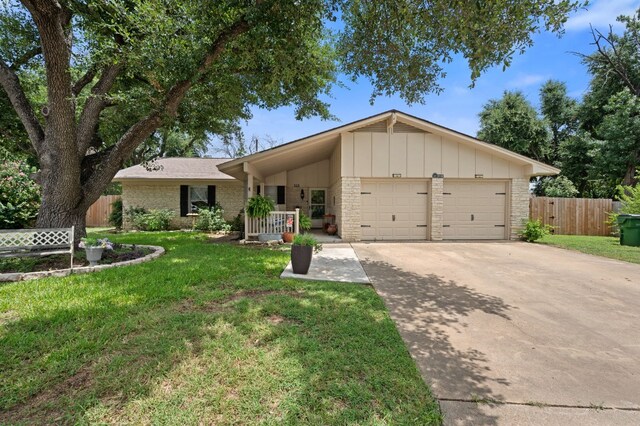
[(302, 194), (437, 175)]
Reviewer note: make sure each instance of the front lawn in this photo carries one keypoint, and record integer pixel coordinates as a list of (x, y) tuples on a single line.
[(206, 334), (599, 246)]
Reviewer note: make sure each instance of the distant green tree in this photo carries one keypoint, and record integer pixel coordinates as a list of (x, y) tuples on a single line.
[(513, 123), (560, 112)]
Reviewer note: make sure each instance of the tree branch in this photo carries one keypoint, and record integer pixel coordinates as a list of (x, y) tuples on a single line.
[(614, 64), (144, 128), (94, 105), (83, 81), (11, 85), (25, 57)]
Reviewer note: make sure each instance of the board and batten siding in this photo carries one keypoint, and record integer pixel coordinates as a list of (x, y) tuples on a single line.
[(417, 155)]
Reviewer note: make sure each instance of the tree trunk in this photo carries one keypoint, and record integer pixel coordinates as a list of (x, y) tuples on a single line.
[(62, 205)]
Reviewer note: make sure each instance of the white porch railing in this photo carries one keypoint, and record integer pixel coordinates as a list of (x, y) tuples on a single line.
[(275, 223)]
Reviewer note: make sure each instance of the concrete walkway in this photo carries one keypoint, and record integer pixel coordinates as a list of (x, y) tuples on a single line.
[(336, 262), (515, 333)]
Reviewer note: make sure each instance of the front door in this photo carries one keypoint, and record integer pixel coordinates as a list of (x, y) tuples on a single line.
[(317, 206)]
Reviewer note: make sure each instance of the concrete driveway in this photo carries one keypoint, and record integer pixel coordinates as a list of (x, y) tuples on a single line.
[(515, 333)]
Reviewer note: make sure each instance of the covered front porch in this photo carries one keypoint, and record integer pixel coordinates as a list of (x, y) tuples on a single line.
[(299, 180)]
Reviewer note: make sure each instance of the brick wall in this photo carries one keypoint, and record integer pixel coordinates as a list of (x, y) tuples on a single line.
[(349, 219), (166, 195), (437, 208), (519, 205)]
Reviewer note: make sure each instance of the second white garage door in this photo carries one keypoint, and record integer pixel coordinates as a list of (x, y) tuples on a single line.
[(394, 209), (474, 210)]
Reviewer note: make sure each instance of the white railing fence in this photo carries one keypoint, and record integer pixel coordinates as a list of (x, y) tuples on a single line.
[(275, 223)]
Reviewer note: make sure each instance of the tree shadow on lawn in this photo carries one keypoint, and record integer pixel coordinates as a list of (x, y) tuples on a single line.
[(172, 341), (426, 310)]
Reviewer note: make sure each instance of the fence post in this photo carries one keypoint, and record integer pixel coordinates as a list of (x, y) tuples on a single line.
[(296, 222)]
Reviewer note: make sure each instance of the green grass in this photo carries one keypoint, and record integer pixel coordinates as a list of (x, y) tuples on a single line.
[(207, 334), (599, 246)]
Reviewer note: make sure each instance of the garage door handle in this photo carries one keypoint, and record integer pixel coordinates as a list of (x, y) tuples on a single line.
[(472, 217)]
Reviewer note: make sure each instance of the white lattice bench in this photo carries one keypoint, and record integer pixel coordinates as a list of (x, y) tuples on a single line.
[(37, 242)]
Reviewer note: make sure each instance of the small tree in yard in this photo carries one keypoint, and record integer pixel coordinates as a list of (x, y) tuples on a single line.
[(90, 81)]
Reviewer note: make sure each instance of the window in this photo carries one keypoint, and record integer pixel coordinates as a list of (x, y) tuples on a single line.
[(193, 198), (198, 198)]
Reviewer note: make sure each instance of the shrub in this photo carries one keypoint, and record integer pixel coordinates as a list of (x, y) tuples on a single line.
[(211, 220), (629, 197), (534, 230), (115, 218), (152, 220), (560, 186), (237, 224), (19, 196), (259, 206)]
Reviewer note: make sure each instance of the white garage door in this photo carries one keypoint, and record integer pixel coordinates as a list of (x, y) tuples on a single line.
[(474, 210), (394, 209)]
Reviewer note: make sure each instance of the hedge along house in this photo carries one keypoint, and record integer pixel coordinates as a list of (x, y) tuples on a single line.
[(182, 185), (394, 176)]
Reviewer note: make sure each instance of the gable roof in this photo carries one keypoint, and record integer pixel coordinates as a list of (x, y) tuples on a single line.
[(317, 145), (176, 168)]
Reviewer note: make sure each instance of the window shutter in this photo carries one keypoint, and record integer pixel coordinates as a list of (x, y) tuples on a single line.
[(280, 195), (184, 200), (211, 195)]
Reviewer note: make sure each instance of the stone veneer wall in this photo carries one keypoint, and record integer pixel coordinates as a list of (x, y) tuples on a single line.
[(349, 195), (437, 208), (166, 195), (519, 205)]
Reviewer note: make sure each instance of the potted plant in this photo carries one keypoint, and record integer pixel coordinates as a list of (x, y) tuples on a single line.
[(304, 222), (259, 207), (94, 247), (304, 245)]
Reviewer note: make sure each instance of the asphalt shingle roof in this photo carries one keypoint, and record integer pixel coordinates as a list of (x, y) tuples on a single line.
[(177, 168)]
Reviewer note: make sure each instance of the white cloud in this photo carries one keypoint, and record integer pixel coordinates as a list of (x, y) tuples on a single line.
[(600, 14), (525, 80)]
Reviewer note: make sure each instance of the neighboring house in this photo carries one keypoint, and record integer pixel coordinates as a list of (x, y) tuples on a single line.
[(391, 176), (182, 185)]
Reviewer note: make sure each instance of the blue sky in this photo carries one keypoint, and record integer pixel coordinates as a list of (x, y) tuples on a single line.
[(458, 106)]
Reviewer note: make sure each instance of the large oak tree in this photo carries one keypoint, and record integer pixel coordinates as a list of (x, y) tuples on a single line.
[(145, 63)]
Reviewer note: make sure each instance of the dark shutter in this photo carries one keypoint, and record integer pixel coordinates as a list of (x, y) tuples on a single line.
[(280, 195), (184, 200), (211, 195)]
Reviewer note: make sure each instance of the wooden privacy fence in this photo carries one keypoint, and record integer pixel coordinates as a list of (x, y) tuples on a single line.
[(573, 216), (98, 213)]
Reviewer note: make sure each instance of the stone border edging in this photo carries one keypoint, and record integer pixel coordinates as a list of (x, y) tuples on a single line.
[(25, 276)]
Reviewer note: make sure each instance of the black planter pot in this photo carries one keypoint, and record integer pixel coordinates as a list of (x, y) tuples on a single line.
[(301, 259)]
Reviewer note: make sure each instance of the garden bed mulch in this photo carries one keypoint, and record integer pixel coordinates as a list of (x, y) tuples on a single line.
[(122, 256), (120, 253)]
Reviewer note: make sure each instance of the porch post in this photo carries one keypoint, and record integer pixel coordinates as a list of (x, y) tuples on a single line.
[(296, 222), (249, 192)]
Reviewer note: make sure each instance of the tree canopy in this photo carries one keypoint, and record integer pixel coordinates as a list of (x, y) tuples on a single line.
[(91, 81)]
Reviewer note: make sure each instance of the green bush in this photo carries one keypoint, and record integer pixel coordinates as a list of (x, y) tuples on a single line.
[(211, 220), (237, 224), (152, 220), (115, 217), (19, 196), (534, 230), (259, 206), (560, 186)]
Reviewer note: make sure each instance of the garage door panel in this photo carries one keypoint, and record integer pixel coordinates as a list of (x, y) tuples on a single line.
[(407, 200), (474, 210)]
